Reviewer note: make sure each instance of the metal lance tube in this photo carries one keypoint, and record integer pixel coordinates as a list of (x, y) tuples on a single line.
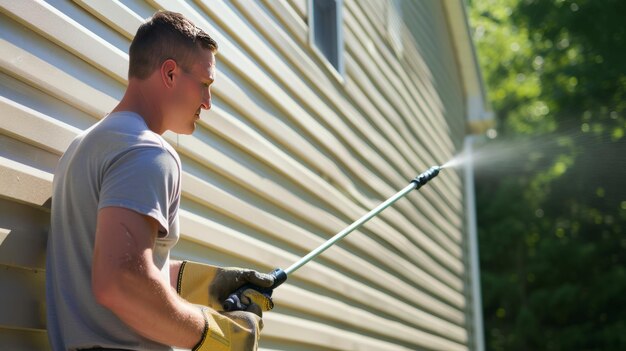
[(280, 276), (416, 183)]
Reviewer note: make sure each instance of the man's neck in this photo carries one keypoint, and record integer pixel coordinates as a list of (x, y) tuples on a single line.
[(139, 99)]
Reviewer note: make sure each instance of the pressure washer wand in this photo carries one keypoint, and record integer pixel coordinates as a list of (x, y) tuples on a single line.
[(416, 183), (280, 276)]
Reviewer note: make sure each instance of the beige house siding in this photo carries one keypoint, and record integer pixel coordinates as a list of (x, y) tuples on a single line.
[(291, 153)]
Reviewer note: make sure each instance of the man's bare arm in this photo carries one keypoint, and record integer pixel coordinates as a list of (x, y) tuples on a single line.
[(126, 281), (174, 270)]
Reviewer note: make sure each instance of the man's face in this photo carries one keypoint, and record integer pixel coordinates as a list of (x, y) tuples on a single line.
[(192, 93)]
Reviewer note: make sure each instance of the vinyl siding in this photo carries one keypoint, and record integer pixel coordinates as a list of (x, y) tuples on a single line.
[(290, 154)]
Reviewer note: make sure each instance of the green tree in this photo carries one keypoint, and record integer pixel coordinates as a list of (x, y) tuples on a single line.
[(551, 225)]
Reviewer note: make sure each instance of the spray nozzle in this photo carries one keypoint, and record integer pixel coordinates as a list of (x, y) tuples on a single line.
[(426, 176)]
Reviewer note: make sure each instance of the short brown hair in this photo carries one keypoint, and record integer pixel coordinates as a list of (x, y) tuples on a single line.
[(166, 35)]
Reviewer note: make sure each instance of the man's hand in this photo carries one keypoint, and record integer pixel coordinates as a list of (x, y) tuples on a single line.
[(210, 285), (230, 331)]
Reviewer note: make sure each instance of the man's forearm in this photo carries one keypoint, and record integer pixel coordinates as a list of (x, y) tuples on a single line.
[(126, 281), (147, 303), (174, 270)]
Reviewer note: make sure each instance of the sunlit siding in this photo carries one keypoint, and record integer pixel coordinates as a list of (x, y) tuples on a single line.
[(290, 154)]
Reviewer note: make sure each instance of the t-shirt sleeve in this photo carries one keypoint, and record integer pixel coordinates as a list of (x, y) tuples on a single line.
[(144, 180)]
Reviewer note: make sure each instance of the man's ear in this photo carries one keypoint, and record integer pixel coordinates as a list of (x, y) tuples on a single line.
[(168, 72)]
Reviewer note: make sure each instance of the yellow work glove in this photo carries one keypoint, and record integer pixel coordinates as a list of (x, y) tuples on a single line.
[(207, 285), (229, 331)]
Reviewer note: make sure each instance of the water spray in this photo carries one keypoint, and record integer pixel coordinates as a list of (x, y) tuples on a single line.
[(233, 302)]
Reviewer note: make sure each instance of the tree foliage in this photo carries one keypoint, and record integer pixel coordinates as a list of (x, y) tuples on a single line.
[(551, 227)]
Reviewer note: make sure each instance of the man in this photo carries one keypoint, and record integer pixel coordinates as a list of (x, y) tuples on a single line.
[(110, 283)]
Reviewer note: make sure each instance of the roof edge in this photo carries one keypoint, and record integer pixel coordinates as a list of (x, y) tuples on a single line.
[(479, 114)]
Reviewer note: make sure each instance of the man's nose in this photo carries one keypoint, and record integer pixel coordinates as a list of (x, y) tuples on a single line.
[(206, 101)]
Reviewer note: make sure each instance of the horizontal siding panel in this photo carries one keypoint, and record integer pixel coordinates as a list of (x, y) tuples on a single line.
[(304, 331), (64, 31), (114, 14), (355, 123), (388, 91), (291, 17), (354, 265), (440, 58), (368, 320), (230, 20), (385, 81), (300, 6), (23, 339), (272, 191), (37, 72), (296, 88), (26, 154), (35, 127), (23, 305), (23, 235), (245, 247), (252, 10), (451, 240), (357, 22), (272, 156), (24, 183)]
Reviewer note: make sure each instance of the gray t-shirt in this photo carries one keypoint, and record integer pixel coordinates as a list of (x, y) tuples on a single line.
[(117, 162)]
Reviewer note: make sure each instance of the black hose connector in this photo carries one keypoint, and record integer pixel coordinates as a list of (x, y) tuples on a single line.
[(233, 302), (425, 177), (279, 277)]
